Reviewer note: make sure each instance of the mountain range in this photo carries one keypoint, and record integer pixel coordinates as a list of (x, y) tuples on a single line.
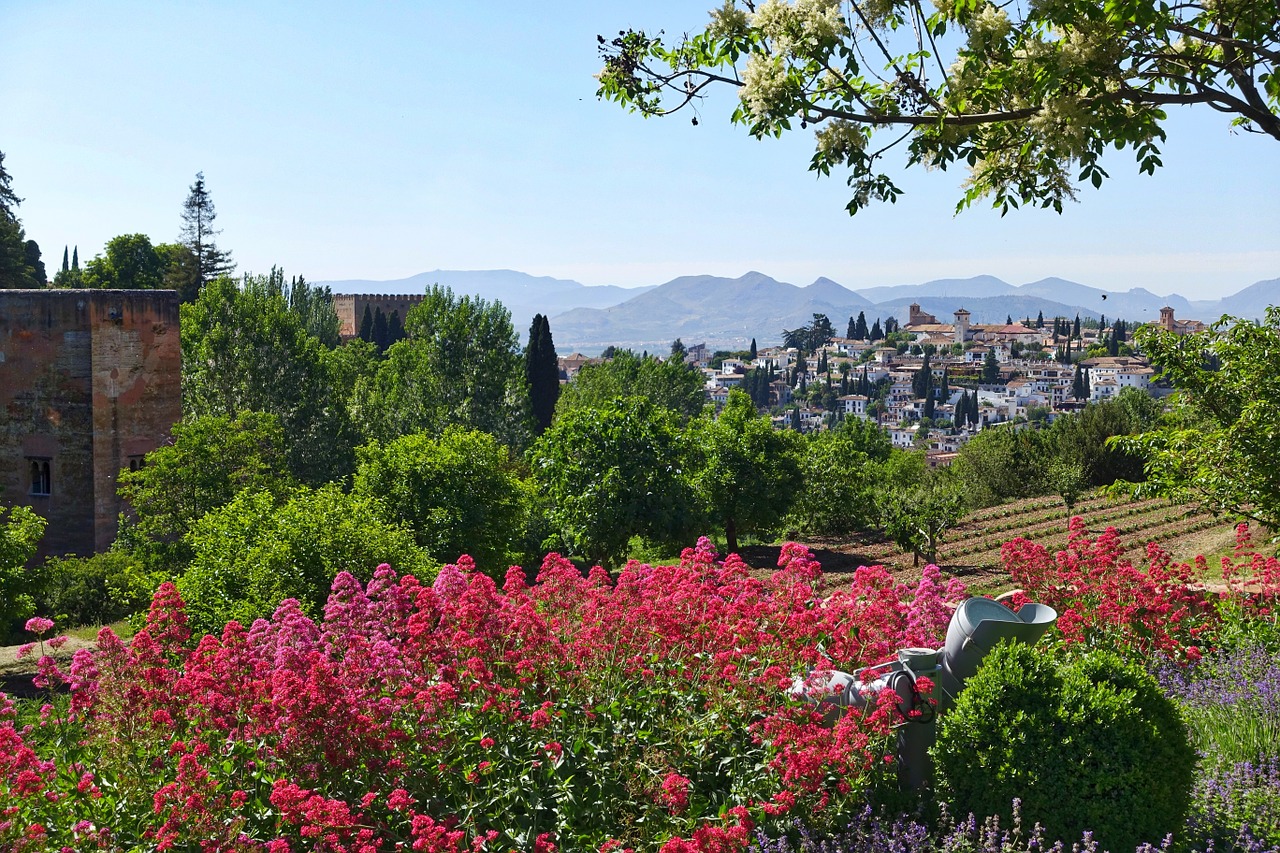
[(727, 313)]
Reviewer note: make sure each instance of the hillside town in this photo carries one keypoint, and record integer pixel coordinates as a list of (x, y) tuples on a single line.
[(979, 375)]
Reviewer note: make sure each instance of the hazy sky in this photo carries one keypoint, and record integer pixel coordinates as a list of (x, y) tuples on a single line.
[(352, 140)]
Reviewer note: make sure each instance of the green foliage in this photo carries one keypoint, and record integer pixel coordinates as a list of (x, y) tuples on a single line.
[(94, 590), (542, 373), (842, 472), (313, 306), (746, 473), (460, 364), (129, 262), (198, 235), (211, 459), (1221, 446), (246, 350), (19, 268), (611, 472), (1028, 98), (1068, 480), (917, 517), (669, 384), (460, 494), (20, 531), (255, 551), (1091, 745)]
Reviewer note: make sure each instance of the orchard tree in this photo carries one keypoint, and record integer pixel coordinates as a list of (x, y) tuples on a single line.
[(1026, 96), (611, 472), (461, 493), (1222, 446), (917, 518), (256, 551), (746, 473), (670, 384), (842, 474)]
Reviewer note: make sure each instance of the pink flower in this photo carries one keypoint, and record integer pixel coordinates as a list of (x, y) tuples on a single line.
[(486, 743), (38, 625), (675, 793)]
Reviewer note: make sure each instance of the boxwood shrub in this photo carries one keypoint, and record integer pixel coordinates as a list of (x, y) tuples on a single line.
[(1089, 745)]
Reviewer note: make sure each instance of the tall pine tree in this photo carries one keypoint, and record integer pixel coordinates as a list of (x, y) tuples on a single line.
[(198, 235), (542, 371)]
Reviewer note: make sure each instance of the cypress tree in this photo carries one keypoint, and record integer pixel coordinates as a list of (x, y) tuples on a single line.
[(753, 349), (542, 370), (381, 332), (852, 331), (876, 333), (65, 263), (1076, 331), (75, 258), (860, 330), (395, 329), (1040, 320), (366, 325), (946, 391)]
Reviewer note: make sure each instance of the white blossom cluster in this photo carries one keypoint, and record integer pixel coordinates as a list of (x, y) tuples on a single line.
[(840, 141), (791, 29)]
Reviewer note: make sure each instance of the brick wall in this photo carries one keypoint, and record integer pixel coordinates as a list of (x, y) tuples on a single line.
[(89, 379)]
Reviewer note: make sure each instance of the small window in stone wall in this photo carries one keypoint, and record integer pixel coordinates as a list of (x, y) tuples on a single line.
[(136, 462), (41, 481)]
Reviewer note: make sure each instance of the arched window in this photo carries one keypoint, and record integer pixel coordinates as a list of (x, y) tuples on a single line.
[(41, 481)]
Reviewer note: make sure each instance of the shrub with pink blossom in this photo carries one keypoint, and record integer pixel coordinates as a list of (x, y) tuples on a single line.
[(643, 712)]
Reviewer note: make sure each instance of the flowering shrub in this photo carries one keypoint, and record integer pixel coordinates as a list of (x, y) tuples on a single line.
[(579, 713), (1103, 599)]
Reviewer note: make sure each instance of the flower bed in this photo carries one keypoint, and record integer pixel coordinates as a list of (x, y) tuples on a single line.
[(579, 713)]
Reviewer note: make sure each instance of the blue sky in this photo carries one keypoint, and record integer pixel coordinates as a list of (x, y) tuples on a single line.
[(382, 140)]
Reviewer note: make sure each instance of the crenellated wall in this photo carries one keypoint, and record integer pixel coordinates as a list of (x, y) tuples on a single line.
[(350, 308), (89, 380)]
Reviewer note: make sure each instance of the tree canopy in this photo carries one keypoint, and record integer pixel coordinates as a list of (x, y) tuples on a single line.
[(1026, 97), (1222, 446)]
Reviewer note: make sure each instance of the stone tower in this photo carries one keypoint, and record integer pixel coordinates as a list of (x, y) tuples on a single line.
[(962, 326)]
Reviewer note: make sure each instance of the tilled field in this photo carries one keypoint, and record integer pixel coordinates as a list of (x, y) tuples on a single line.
[(971, 550)]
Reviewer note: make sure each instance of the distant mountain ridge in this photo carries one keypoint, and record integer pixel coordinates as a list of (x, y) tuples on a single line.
[(728, 312)]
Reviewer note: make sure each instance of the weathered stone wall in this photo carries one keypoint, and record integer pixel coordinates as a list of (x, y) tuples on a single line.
[(350, 308), (89, 379)]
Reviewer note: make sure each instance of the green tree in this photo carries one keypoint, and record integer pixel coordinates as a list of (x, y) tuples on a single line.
[(20, 532), (746, 473), (245, 350), (611, 472), (1000, 94), (211, 459), (366, 325), (461, 493), (1223, 437), (129, 262), (9, 201), (1067, 479), (1001, 463), (672, 385), (990, 368), (751, 353), (460, 364), (198, 234), (255, 551), (842, 472), (917, 518), (542, 373), (20, 265)]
